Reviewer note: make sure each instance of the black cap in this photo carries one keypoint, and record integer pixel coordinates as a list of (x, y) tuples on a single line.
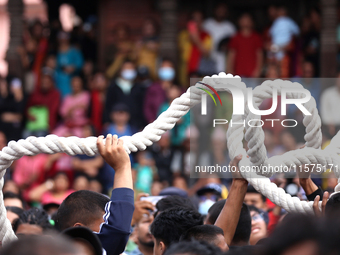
[(211, 187), (173, 191), (120, 107), (87, 235)]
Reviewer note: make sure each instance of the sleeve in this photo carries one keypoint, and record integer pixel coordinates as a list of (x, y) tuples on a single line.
[(259, 42), (65, 106), (115, 230), (78, 59), (109, 102), (54, 107), (233, 43), (324, 108), (312, 196), (273, 220)]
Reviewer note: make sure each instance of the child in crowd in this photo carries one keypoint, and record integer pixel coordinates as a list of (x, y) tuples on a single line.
[(144, 172), (120, 117)]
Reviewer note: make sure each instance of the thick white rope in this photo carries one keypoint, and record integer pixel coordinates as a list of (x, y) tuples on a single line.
[(152, 133)]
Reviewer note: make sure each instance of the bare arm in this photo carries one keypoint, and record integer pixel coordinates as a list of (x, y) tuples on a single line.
[(231, 60), (308, 185), (115, 155), (230, 214), (259, 63), (36, 193)]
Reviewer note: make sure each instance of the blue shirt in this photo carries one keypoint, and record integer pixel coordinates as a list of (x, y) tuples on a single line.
[(115, 230)]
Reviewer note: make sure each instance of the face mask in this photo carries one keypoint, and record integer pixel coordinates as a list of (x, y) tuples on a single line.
[(204, 207), (166, 73), (129, 74)]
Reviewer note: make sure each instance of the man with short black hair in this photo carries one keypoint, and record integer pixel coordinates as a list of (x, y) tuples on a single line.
[(333, 205), (255, 198), (173, 202), (208, 233), (145, 242), (111, 218), (193, 248), (169, 225)]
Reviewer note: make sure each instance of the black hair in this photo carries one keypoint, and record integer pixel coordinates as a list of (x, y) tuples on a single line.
[(11, 195), (169, 225), (293, 230), (14, 209), (264, 214), (166, 59), (82, 206), (333, 205), (40, 245), (33, 216), (173, 202), (243, 229), (206, 233), (193, 248), (251, 189)]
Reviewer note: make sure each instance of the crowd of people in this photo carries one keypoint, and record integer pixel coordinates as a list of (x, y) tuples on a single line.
[(154, 205)]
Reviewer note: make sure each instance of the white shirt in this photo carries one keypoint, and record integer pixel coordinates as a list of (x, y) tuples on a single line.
[(218, 31), (330, 107)]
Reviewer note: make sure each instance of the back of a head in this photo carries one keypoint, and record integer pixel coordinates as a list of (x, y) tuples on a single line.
[(174, 201), (333, 205), (243, 229), (193, 248), (33, 216), (82, 206), (40, 245), (295, 229), (215, 210), (169, 225), (207, 233)]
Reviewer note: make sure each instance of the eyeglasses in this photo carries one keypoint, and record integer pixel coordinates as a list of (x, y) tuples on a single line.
[(257, 217)]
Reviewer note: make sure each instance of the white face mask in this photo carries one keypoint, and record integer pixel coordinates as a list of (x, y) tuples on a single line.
[(129, 74), (204, 207)]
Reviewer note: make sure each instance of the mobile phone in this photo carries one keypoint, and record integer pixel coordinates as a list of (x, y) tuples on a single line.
[(152, 199)]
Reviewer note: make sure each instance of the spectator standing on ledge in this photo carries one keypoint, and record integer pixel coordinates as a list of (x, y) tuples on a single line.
[(329, 106), (156, 94), (194, 45), (125, 90), (245, 56), (219, 28)]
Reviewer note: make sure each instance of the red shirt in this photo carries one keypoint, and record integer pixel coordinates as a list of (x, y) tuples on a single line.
[(246, 48), (51, 100)]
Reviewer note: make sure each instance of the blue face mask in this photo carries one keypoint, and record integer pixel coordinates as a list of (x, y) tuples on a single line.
[(129, 74), (166, 73)]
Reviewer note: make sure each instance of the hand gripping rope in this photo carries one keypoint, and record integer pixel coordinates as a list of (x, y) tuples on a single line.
[(179, 107)]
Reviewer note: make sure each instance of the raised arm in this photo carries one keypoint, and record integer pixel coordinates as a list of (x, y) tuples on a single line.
[(115, 155), (116, 228), (230, 214)]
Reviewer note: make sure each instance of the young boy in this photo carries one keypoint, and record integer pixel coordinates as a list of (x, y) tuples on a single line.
[(111, 218)]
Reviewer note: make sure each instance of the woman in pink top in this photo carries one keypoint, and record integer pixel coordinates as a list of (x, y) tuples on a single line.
[(74, 110), (29, 172), (52, 191)]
